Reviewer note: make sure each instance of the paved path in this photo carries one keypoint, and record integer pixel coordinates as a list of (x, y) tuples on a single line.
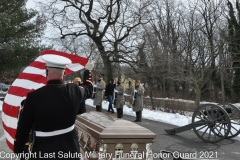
[(185, 142), (3, 145)]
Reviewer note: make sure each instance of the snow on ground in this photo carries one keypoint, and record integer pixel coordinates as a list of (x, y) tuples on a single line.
[(164, 117), (160, 116)]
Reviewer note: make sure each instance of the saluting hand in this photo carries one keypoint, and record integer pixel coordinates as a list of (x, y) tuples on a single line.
[(89, 65)]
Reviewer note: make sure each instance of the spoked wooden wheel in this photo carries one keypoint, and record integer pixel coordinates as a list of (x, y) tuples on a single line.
[(211, 123), (234, 114)]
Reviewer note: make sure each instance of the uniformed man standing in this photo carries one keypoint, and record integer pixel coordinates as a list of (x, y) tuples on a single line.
[(100, 86), (137, 95), (52, 110), (119, 98)]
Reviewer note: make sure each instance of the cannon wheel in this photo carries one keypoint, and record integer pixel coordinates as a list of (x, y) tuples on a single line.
[(234, 118), (208, 120)]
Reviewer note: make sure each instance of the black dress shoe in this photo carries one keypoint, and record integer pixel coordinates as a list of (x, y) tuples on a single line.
[(112, 111)]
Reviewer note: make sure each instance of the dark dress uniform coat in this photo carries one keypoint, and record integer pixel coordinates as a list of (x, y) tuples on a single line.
[(50, 108)]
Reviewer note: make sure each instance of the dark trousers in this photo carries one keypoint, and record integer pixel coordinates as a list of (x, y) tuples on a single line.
[(119, 112), (99, 108), (110, 99), (138, 116)]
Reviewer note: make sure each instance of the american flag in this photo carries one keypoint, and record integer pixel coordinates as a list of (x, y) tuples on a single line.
[(32, 78)]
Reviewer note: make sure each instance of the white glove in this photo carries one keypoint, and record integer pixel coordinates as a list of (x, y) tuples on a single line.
[(116, 91), (95, 85), (135, 90), (89, 65)]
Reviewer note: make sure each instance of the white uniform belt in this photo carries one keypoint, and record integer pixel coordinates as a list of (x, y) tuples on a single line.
[(54, 133)]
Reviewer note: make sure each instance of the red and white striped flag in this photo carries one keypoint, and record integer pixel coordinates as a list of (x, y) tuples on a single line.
[(32, 78)]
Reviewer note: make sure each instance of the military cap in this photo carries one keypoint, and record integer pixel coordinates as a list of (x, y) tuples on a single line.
[(56, 61)]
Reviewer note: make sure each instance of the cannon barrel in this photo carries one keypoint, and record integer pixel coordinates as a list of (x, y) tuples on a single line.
[(228, 110), (181, 129)]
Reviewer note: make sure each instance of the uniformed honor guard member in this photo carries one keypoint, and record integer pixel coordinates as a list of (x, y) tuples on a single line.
[(119, 98), (82, 108), (52, 110), (100, 86), (137, 95)]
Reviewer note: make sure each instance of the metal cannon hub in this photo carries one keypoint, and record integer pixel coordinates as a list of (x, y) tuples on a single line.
[(211, 123)]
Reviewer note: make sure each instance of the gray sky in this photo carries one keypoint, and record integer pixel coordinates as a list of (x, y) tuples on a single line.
[(30, 4)]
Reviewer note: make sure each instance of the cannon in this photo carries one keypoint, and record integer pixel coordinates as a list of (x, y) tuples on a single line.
[(213, 123)]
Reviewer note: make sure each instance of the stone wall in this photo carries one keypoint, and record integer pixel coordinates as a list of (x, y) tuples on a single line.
[(165, 104)]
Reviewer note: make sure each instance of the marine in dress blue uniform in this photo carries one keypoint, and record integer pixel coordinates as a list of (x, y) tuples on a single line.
[(52, 110)]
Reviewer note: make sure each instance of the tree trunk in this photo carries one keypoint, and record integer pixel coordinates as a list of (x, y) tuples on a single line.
[(198, 96), (164, 86), (108, 68), (222, 85), (222, 78), (150, 93), (107, 63)]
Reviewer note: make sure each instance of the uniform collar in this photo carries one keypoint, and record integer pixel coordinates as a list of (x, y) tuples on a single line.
[(54, 81)]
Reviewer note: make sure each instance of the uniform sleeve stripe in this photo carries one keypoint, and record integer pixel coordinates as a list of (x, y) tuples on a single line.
[(89, 81)]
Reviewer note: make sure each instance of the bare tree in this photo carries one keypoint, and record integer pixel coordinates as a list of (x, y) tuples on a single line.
[(165, 23), (189, 41), (96, 19), (197, 56), (211, 13)]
